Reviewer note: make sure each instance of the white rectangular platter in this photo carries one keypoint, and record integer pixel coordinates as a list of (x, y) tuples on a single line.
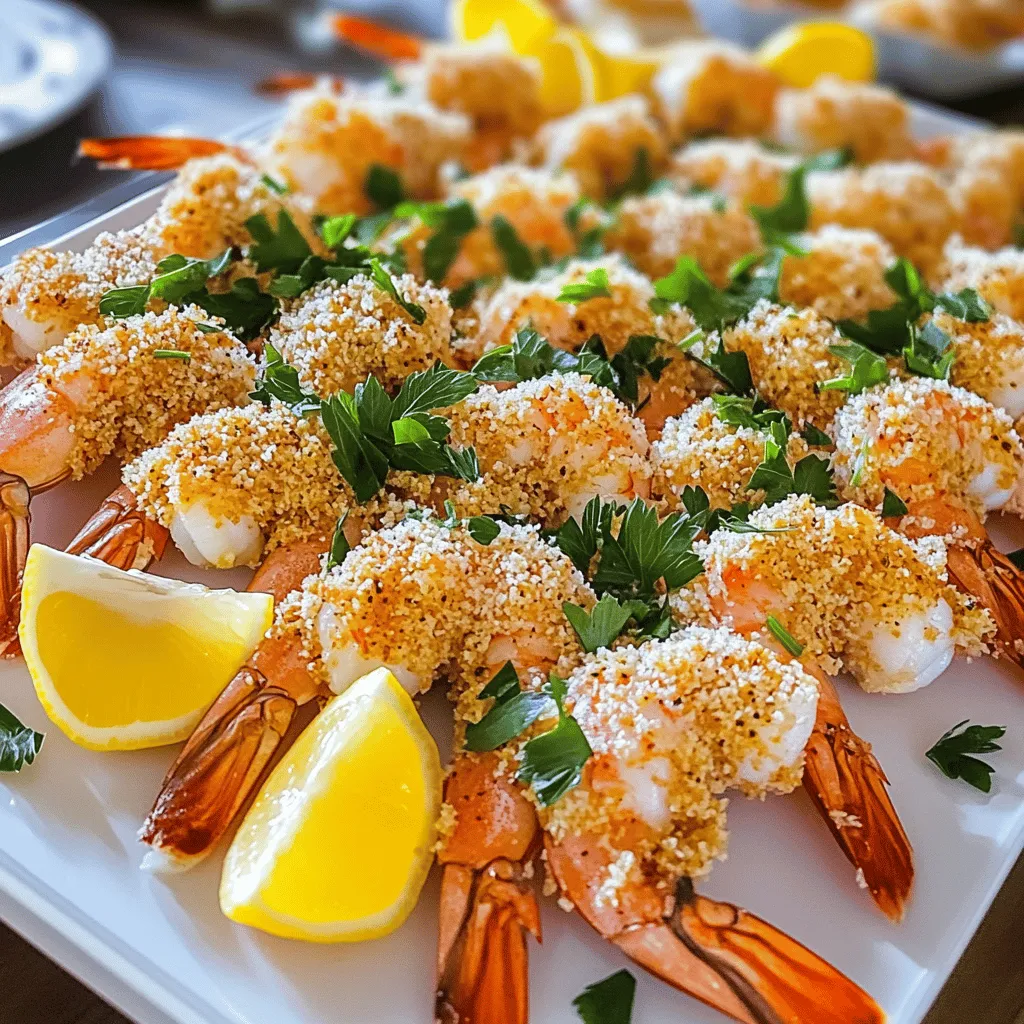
[(160, 950)]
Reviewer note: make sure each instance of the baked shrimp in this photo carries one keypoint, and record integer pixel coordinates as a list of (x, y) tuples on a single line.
[(951, 459), (998, 277), (106, 390), (741, 169), (45, 294)]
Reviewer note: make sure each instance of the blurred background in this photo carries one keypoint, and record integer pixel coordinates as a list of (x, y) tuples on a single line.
[(190, 67)]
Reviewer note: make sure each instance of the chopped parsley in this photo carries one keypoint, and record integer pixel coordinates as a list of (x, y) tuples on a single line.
[(784, 637), (277, 187), (929, 352), (748, 411), (553, 762), (511, 714), (282, 250), (811, 475), (602, 626), (172, 353), (866, 369), (383, 187), (451, 221), (793, 211), (528, 357), (952, 753), (340, 546), (735, 519), (589, 242), (19, 744), (609, 1001), (641, 176), (386, 282), (816, 438), (280, 380), (373, 433), (893, 505), (622, 373), (519, 261), (462, 296), (593, 286)]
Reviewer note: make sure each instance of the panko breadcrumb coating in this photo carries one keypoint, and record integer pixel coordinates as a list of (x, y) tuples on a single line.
[(870, 120), (497, 90), (327, 144), (788, 352), (926, 439), (698, 450), (838, 581), (906, 203), (741, 169), (998, 277), (547, 446), (989, 359), (843, 274), (710, 87), (337, 335), (124, 398), (534, 201), (259, 464), (653, 231), (45, 294), (600, 144)]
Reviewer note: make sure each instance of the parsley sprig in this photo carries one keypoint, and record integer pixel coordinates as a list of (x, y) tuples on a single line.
[(593, 286), (519, 260), (451, 221), (867, 369), (280, 380), (952, 753), (373, 433), (811, 475), (609, 1001), (552, 762), (19, 744)]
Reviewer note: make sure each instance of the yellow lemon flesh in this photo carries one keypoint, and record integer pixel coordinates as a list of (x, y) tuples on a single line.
[(619, 74), (337, 846), (122, 660), (800, 54), (568, 77), (524, 21)]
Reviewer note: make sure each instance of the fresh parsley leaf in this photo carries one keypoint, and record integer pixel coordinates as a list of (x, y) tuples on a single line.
[(277, 379), (178, 276), (622, 373), (816, 438), (893, 505), (511, 714), (452, 221), (245, 309), (731, 368), (283, 250), (436, 388), (483, 529), (866, 369), (385, 281), (589, 242), (966, 305), (602, 626), (519, 261), (688, 285), (172, 353), (340, 546), (334, 230), (593, 286), (277, 187), (951, 754), (1017, 557), (609, 1001), (784, 636), (748, 411), (462, 296), (811, 475), (123, 302), (363, 465), (383, 187), (19, 744), (792, 212), (528, 357), (553, 762), (581, 540), (641, 178), (930, 351)]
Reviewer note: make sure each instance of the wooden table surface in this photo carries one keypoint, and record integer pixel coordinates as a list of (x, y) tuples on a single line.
[(184, 52)]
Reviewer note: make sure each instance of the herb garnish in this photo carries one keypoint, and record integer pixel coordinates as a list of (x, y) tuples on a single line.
[(280, 380), (451, 221), (386, 282), (866, 369), (793, 211), (553, 762), (609, 1001), (383, 187), (603, 625), (374, 434), (519, 261), (811, 475), (282, 250), (589, 243), (893, 505), (172, 353), (593, 286), (178, 278), (513, 711), (951, 754), (19, 744), (277, 187), (735, 519), (784, 637), (340, 546), (641, 176)]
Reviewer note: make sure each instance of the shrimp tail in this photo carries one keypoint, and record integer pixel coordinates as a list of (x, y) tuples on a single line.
[(778, 980), (151, 152), (849, 789), (15, 521), (120, 534), (383, 42), (281, 83), (482, 967), (488, 906), (981, 570), (228, 753)]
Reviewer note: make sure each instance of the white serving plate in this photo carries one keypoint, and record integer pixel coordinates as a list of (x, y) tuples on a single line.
[(159, 949), (912, 62)]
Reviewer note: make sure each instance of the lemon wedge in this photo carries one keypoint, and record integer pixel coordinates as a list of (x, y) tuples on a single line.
[(619, 74), (337, 846), (800, 54), (568, 74), (122, 660), (524, 21)]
